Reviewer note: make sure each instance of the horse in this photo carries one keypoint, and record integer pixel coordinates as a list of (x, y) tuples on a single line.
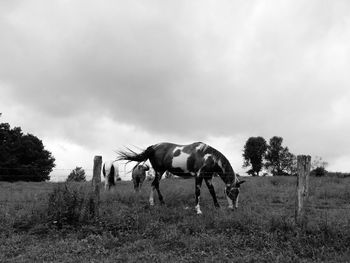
[(110, 171), (139, 175), (197, 160)]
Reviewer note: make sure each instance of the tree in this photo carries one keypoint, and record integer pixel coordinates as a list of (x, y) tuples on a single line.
[(278, 158), (23, 156), (76, 175), (318, 162), (253, 154), (318, 166)]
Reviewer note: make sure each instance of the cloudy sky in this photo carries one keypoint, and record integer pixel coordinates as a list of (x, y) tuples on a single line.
[(89, 77)]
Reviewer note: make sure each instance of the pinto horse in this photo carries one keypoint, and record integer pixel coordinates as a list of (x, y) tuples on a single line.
[(139, 175), (110, 171), (197, 160)]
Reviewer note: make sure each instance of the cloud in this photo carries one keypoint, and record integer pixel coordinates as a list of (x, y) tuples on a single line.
[(185, 71)]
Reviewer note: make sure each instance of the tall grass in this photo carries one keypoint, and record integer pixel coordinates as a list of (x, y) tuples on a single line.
[(128, 229)]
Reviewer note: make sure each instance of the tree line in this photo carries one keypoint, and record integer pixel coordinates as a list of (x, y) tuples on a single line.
[(274, 158)]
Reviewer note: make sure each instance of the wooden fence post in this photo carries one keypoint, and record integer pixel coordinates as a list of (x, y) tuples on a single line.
[(96, 180), (303, 167)]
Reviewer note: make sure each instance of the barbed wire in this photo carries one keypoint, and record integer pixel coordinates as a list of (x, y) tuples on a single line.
[(38, 170), (290, 207)]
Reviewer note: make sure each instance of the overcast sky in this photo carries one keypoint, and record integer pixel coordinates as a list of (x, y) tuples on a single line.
[(89, 77)]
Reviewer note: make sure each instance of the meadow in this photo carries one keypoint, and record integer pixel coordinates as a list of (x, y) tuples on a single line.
[(54, 222)]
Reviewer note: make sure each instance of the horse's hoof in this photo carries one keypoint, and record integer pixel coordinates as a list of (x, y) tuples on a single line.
[(198, 210)]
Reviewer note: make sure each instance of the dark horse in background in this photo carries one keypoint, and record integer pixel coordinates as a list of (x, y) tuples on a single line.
[(197, 160), (139, 175)]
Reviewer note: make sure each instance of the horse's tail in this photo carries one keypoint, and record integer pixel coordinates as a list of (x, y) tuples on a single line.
[(111, 176), (104, 170), (131, 156)]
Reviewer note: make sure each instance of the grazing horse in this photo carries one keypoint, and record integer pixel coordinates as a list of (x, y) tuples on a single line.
[(139, 175), (110, 171), (196, 160)]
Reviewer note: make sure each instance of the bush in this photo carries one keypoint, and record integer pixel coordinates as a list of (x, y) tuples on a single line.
[(77, 175), (69, 206), (319, 171)]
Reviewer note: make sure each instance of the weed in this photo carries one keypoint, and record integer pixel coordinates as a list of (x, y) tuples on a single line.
[(69, 206)]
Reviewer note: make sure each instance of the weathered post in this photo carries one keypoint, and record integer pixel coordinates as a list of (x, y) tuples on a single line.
[(96, 180), (303, 167)]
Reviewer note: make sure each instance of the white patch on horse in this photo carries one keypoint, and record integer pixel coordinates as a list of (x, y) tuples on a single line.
[(108, 175), (201, 147), (205, 157), (209, 182), (197, 207), (230, 203), (180, 161), (220, 164), (236, 204)]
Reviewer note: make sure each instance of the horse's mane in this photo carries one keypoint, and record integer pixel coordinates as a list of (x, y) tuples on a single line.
[(229, 172)]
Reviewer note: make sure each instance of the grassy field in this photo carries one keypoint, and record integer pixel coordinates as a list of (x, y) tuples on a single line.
[(45, 222)]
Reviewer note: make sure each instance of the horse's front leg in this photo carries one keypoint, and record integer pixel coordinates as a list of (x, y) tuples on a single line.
[(151, 199), (208, 182), (141, 181), (230, 203), (106, 183), (199, 180)]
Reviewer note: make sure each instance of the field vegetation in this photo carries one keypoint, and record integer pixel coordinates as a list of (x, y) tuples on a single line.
[(56, 222)]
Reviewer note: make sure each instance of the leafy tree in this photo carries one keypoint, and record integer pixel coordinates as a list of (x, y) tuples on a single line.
[(318, 166), (278, 158), (318, 162), (77, 175), (23, 156), (319, 171), (253, 154)]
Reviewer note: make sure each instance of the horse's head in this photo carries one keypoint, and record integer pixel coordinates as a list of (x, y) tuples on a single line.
[(232, 192), (144, 167)]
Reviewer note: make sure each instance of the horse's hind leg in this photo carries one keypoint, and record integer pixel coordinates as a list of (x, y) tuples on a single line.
[(160, 197), (155, 185), (106, 183), (210, 186)]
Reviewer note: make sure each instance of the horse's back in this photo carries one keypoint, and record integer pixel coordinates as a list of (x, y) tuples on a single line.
[(181, 159)]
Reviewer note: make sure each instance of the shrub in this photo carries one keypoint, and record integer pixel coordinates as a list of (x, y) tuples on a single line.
[(69, 206), (77, 175), (319, 171)]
